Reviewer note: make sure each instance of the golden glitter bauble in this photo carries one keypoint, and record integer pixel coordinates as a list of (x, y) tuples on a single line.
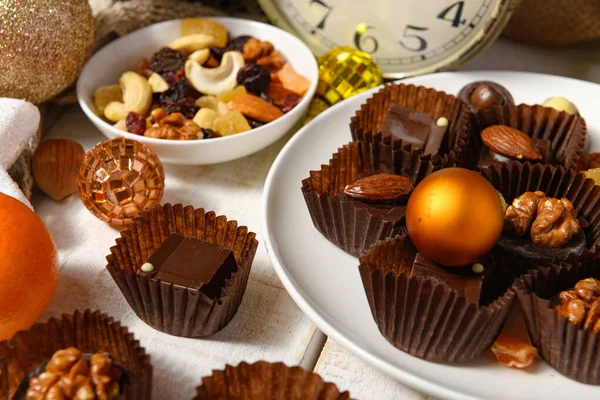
[(454, 216), (43, 46)]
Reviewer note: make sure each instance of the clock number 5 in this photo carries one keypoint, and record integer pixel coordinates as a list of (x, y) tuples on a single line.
[(412, 41), (321, 24)]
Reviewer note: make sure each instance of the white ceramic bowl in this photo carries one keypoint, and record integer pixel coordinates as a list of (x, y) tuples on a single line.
[(106, 66)]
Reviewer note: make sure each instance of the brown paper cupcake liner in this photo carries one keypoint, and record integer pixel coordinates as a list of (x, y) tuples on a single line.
[(513, 179), (572, 351), (170, 308), (264, 380), (349, 224), (567, 133), (88, 331), (428, 319), (366, 124)]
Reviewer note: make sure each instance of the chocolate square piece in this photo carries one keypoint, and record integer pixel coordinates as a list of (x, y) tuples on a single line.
[(413, 127), (193, 263), (461, 279)]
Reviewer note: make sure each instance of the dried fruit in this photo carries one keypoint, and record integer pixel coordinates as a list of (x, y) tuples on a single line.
[(510, 142), (254, 77), (254, 49), (278, 94), (231, 123), (211, 102), (168, 63), (255, 108), (186, 106), (104, 95), (158, 83), (381, 188), (292, 80), (238, 42), (290, 102), (56, 165), (136, 123), (205, 118), (254, 124), (210, 134), (273, 62), (229, 95), (143, 68), (217, 52), (207, 26), (177, 91), (511, 351)]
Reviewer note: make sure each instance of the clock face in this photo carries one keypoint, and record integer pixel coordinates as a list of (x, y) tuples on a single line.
[(405, 37)]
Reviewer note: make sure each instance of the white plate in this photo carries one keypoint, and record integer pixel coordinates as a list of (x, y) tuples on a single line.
[(325, 283), (106, 66)]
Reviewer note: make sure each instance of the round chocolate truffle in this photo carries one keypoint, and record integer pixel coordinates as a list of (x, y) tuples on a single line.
[(483, 94)]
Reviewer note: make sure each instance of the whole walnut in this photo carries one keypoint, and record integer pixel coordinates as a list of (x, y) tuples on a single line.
[(521, 212), (556, 223)]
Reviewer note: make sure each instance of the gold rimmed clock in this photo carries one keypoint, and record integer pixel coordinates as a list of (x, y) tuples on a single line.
[(405, 37)]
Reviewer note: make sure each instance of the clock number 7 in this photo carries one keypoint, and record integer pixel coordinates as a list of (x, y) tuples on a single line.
[(418, 42), (321, 24)]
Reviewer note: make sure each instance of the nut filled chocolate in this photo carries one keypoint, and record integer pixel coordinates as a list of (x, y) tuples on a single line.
[(419, 130), (484, 94), (192, 263)]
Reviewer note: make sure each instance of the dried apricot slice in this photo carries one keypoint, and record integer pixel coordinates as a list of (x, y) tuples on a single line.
[(292, 80), (513, 352), (192, 26)]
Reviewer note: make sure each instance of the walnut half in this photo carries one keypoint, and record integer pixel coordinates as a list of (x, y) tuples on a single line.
[(173, 126), (581, 305), (556, 223), (521, 212)]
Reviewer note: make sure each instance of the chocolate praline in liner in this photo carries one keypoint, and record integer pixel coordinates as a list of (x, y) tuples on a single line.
[(569, 349), (365, 125), (171, 308), (90, 332), (566, 133), (426, 318), (514, 179), (350, 224), (264, 380)]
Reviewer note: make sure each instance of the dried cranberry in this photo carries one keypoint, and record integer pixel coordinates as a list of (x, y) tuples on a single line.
[(136, 123), (210, 134), (291, 101), (217, 52), (177, 91), (167, 62), (174, 77), (187, 106), (254, 123), (254, 77), (238, 43)]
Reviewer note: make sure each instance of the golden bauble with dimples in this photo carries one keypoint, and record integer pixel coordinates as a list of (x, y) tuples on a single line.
[(454, 216), (43, 46)]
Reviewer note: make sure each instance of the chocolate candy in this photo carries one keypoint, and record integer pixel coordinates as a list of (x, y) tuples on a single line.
[(489, 157), (523, 246), (414, 128), (462, 279), (485, 94), (192, 263)]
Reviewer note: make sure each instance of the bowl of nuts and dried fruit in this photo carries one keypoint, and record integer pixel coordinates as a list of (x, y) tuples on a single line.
[(199, 90)]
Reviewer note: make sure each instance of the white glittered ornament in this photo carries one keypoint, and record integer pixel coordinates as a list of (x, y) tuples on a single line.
[(19, 121)]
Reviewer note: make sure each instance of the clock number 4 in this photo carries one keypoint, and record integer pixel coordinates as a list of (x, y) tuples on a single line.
[(457, 9), (413, 41), (321, 24)]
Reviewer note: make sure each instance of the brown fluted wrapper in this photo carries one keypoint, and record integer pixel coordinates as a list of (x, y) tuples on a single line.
[(365, 125), (346, 223), (430, 320), (572, 351), (170, 308), (567, 133), (264, 380), (514, 179), (88, 331)]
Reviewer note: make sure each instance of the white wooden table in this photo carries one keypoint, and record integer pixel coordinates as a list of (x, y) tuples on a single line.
[(269, 325)]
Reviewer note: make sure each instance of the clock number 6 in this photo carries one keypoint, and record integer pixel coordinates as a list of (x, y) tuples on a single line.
[(417, 43), (360, 37), (321, 24)]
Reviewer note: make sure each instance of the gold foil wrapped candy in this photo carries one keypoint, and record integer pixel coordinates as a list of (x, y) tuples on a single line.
[(119, 178)]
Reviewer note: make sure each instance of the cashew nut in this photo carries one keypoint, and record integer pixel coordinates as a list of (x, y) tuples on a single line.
[(205, 117), (200, 56), (106, 94), (213, 103), (191, 43), (215, 80), (137, 97), (158, 83)]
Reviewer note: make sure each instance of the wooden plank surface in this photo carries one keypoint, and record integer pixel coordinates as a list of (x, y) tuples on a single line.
[(268, 326)]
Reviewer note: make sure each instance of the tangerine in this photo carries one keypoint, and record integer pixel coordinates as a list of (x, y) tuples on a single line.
[(28, 267)]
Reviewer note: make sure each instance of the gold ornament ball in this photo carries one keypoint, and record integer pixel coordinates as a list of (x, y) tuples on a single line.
[(43, 46), (454, 216)]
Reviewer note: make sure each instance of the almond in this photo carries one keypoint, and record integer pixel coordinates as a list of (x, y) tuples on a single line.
[(510, 142), (383, 188), (255, 108)]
